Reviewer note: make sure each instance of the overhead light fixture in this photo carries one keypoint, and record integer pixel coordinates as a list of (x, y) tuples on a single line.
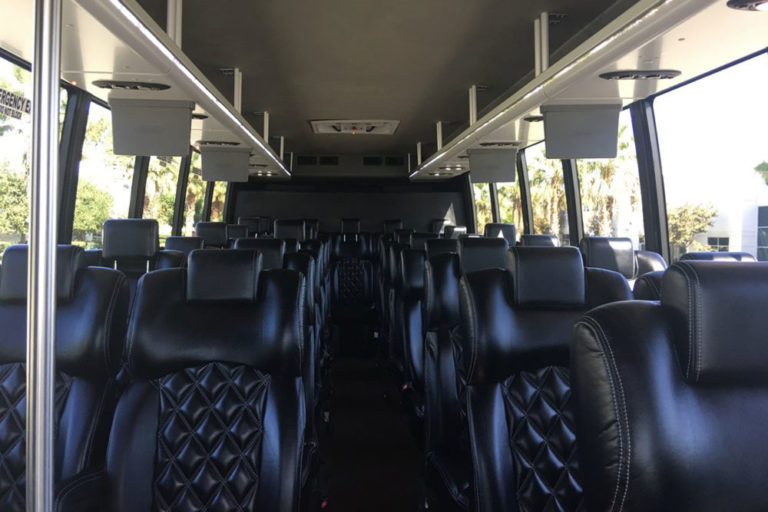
[(749, 5), (130, 86), (150, 36), (533, 119), (641, 74), (199, 117)]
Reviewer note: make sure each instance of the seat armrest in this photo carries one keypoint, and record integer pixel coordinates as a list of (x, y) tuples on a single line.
[(82, 493)]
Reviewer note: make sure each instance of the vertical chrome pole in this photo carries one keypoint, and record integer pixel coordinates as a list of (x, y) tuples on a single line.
[(537, 46), (439, 135), (418, 153), (472, 105), (174, 20), (265, 131), (238, 94), (41, 276), (544, 45)]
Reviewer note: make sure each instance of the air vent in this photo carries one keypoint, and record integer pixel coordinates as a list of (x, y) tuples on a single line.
[(130, 86), (749, 5), (394, 161), (328, 160), (533, 119), (641, 74), (355, 126), (199, 117), (372, 160), (499, 144), (217, 143), (306, 160)]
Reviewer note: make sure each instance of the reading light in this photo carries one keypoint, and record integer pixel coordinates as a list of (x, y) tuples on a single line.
[(157, 43), (749, 5)]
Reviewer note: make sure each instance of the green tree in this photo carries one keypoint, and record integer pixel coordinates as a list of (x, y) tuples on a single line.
[(762, 170), (685, 222), (482, 205), (93, 207), (14, 203)]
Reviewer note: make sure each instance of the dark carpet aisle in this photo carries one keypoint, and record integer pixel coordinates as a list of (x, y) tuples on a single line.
[(373, 459)]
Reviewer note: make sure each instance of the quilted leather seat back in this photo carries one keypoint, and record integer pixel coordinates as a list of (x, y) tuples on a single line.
[(91, 316), (214, 417), (515, 331)]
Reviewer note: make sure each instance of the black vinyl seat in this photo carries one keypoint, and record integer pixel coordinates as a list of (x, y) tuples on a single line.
[(717, 256), (214, 234), (132, 246), (272, 250), (214, 415), (235, 231), (442, 246), (404, 236), (411, 298), (419, 240), (648, 286), (482, 253), (185, 244), (253, 224), (612, 253), (312, 227), (285, 229), (391, 225), (672, 395), (501, 230), (91, 318), (436, 226), (516, 329), (454, 231), (648, 261), (350, 225), (531, 240)]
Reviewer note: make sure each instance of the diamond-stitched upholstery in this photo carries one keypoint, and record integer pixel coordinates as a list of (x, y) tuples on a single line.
[(540, 424), (13, 392), (209, 438), (352, 281)]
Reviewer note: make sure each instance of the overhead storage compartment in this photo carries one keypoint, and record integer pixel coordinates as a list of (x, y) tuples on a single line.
[(581, 131), (492, 165), (221, 163), (151, 127)]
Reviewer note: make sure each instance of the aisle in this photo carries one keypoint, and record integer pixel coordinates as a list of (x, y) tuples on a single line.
[(374, 462)]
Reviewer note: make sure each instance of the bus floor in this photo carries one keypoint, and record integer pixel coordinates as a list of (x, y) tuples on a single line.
[(374, 462)]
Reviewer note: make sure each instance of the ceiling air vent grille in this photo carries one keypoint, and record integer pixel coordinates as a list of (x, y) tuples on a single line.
[(355, 126), (372, 161), (499, 144), (130, 86), (641, 74), (394, 161), (328, 160), (306, 160)]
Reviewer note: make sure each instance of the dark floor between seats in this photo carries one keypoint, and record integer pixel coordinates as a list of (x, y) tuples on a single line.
[(373, 459)]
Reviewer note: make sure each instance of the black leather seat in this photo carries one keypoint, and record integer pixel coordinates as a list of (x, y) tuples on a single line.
[(530, 240), (454, 231), (482, 253), (312, 228), (612, 253), (501, 230), (352, 279), (436, 226), (91, 318), (717, 256), (672, 395), (214, 234), (132, 246), (442, 246), (185, 244), (272, 250), (649, 261), (648, 286), (419, 240), (411, 298), (214, 415), (404, 236), (350, 225), (235, 231), (252, 223), (285, 229), (515, 335), (391, 225)]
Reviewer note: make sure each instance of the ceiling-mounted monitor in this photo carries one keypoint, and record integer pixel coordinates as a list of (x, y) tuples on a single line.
[(492, 165), (581, 131), (151, 127), (225, 163)]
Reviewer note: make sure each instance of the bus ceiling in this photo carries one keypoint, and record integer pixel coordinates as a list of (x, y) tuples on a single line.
[(348, 96)]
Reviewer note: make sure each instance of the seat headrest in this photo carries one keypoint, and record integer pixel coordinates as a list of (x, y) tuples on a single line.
[(312, 227), (547, 276), (213, 233), (314, 246), (295, 228), (70, 260), (253, 224), (390, 225), (501, 230), (649, 261), (419, 240), (291, 245), (404, 236), (169, 333), (350, 225), (442, 274), (454, 231), (612, 253), (223, 275), (436, 226), (500, 338), (272, 250), (412, 273), (130, 238), (528, 240), (717, 313), (482, 253), (717, 256), (185, 244), (648, 286), (237, 231), (437, 246)]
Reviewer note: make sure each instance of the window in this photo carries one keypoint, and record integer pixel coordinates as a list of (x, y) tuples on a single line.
[(762, 233), (194, 198), (15, 140), (545, 179), (104, 181), (510, 205), (719, 244), (610, 190), (715, 160), (483, 213), (160, 192), (218, 200)]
